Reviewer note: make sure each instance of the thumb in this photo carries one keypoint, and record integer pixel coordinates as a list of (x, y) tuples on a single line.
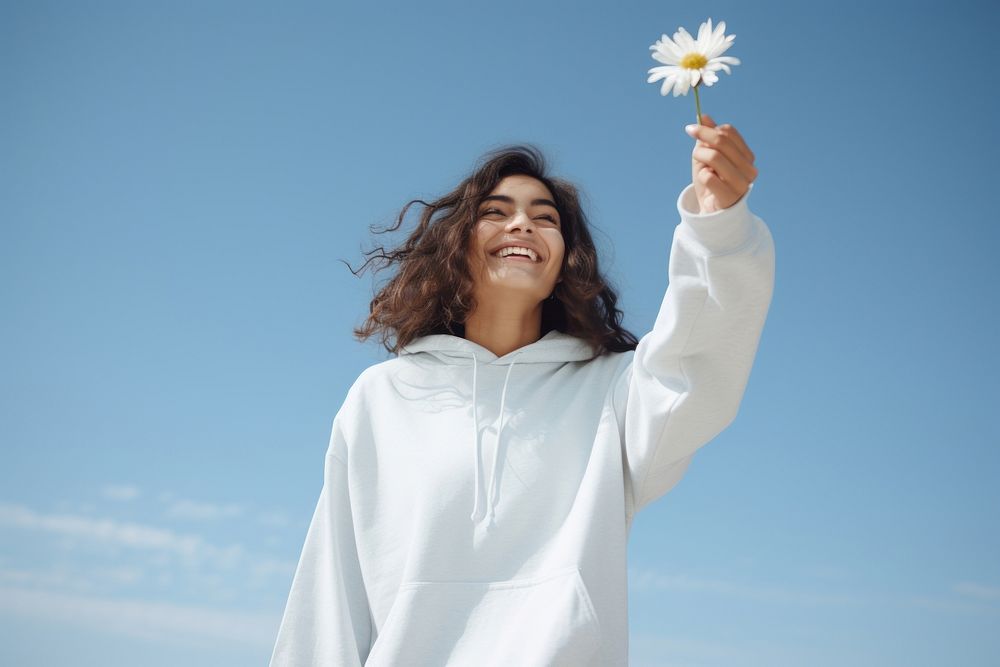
[(707, 121)]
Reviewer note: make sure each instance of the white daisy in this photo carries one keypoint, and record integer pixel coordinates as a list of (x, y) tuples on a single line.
[(688, 61)]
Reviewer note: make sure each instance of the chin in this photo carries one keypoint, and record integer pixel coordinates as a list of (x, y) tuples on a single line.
[(520, 291)]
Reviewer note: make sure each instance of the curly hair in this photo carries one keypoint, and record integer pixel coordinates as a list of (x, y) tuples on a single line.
[(432, 292)]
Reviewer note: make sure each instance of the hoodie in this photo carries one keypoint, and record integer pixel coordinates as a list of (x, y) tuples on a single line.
[(475, 508)]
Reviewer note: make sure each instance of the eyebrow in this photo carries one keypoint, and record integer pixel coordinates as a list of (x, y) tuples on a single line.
[(510, 200)]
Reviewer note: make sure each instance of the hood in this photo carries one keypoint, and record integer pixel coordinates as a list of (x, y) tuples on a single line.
[(553, 347)]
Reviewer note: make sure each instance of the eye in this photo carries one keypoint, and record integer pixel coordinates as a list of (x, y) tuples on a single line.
[(492, 211)]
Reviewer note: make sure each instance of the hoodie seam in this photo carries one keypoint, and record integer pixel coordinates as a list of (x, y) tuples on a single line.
[(337, 458)]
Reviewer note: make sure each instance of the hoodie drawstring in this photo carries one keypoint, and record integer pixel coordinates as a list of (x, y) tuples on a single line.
[(494, 488)]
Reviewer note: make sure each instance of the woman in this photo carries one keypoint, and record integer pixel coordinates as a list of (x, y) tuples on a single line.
[(479, 487)]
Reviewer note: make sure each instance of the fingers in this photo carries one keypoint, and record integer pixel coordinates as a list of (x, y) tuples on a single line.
[(726, 128), (727, 139), (733, 169), (721, 162), (737, 139)]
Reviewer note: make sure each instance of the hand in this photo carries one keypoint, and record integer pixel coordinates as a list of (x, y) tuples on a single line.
[(721, 165)]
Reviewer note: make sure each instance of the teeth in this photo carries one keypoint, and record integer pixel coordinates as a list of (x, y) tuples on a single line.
[(518, 250)]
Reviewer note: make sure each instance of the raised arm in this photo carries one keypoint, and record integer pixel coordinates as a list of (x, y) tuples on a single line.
[(685, 381)]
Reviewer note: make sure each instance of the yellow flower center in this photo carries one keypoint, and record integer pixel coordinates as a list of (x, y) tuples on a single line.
[(694, 61)]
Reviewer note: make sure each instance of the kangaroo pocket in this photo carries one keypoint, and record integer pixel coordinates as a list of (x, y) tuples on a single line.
[(542, 621)]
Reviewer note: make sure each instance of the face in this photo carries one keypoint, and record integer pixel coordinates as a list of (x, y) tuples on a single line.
[(520, 210)]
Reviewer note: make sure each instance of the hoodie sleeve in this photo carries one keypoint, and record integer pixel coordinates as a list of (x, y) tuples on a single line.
[(327, 618), (684, 383)]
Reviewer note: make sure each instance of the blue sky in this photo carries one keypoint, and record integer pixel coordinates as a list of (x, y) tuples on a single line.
[(179, 181)]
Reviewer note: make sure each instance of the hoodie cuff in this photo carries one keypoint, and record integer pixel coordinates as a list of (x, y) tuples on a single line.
[(718, 232)]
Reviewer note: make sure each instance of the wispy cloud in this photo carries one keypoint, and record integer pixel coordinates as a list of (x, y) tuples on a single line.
[(82, 587), (61, 577), (163, 545), (658, 650), (157, 621), (273, 518), (201, 511), (976, 590), (646, 580), (119, 492), (642, 581), (197, 510), (120, 533)]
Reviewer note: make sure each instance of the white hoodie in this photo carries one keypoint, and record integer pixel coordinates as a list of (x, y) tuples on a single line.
[(475, 509)]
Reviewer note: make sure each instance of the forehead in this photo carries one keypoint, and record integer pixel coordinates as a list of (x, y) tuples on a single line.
[(521, 184)]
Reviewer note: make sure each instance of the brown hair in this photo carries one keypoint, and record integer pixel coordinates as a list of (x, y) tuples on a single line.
[(432, 291)]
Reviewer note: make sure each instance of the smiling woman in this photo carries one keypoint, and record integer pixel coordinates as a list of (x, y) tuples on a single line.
[(450, 281), (516, 258), (474, 513)]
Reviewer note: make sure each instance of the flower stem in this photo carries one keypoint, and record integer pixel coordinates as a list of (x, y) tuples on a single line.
[(697, 104)]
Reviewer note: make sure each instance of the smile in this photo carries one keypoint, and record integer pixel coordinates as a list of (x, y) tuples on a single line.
[(517, 253), (516, 258)]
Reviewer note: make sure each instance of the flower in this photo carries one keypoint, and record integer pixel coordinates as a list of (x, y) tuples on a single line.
[(688, 62)]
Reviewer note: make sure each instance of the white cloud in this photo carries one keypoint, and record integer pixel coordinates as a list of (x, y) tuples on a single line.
[(120, 492), (199, 511), (59, 577), (657, 650), (162, 547), (976, 590), (273, 518), (109, 532), (645, 580), (157, 621), (64, 578)]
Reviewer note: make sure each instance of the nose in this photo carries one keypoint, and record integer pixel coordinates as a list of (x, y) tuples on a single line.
[(521, 220)]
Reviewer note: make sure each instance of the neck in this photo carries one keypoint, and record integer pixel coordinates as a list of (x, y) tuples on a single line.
[(504, 327)]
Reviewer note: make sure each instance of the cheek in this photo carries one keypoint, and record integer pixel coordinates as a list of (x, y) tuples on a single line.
[(558, 250)]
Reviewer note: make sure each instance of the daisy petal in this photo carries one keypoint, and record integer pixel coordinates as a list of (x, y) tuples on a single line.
[(719, 48), (672, 49), (704, 31), (665, 58), (657, 73), (684, 40)]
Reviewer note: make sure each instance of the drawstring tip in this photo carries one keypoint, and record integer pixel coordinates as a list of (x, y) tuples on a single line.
[(479, 517)]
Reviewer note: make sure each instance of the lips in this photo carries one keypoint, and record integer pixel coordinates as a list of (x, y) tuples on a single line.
[(518, 258), (519, 243)]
